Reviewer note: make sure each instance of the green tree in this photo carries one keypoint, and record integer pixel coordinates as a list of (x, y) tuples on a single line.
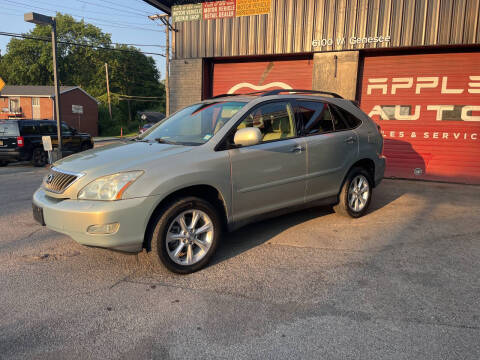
[(29, 62)]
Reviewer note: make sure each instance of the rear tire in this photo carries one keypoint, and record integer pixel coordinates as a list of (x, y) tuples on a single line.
[(188, 247), (39, 157), (356, 194), (3, 163)]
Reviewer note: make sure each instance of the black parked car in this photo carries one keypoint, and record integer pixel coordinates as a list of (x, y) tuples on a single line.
[(21, 140)]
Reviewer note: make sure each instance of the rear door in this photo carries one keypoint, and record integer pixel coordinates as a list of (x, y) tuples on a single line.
[(8, 134), (270, 175), (331, 148)]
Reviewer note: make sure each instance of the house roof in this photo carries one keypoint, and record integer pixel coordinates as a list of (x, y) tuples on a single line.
[(39, 91), (33, 90)]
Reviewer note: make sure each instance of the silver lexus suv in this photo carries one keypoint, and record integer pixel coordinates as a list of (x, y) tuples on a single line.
[(213, 167)]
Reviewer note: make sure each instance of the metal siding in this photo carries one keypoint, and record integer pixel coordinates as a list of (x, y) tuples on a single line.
[(293, 24), (445, 150)]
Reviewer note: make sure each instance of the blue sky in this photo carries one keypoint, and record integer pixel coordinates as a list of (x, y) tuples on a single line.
[(125, 20)]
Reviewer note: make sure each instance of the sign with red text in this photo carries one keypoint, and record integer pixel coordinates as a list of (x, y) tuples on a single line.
[(218, 10), (253, 7), (428, 107)]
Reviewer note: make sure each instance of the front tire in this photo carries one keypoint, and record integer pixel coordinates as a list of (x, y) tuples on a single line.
[(356, 194), (3, 163), (185, 236)]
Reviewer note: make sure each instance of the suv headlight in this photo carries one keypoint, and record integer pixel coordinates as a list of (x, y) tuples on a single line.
[(110, 187)]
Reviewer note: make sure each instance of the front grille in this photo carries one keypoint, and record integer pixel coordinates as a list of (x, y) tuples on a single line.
[(58, 181)]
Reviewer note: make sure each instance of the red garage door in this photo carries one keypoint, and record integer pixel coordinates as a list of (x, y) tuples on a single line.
[(244, 77), (428, 107)]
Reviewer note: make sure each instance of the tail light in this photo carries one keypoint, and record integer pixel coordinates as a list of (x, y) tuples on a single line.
[(20, 142)]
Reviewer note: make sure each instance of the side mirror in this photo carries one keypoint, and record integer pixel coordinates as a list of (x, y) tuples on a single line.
[(247, 136)]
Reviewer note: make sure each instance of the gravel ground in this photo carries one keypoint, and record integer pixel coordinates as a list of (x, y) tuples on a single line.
[(402, 282)]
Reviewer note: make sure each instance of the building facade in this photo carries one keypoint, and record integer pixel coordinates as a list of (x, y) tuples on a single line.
[(412, 65), (77, 108)]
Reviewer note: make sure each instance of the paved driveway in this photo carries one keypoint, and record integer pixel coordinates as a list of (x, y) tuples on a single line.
[(403, 282)]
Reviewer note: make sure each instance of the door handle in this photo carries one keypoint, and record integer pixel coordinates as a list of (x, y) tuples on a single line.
[(350, 140), (297, 149)]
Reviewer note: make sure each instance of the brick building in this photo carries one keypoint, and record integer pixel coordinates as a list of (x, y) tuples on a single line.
[(78, 109)]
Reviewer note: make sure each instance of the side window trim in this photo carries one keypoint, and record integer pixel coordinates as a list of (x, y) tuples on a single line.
[(327, 104), (222, 144), (338, 109)]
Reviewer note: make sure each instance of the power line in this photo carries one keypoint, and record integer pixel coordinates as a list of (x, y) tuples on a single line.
[(124, 6), (117, 24), (111, 8), (77, 44), (85, 2)]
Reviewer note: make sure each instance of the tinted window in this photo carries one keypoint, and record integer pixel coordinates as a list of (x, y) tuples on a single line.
[(315, 116), (65, 129), (348, 118), (47, 128), (275, 121), (28, 128)]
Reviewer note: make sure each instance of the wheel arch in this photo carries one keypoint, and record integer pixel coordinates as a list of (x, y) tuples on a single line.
[(365, 163), (203, 191)]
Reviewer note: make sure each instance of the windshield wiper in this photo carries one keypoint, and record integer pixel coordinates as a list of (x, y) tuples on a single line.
[(163, 141)]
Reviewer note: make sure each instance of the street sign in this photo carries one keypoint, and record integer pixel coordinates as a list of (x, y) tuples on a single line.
[(47, 143), (2, 84), (77, 109)]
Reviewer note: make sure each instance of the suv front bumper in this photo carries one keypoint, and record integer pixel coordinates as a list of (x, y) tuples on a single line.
[(74, 217)]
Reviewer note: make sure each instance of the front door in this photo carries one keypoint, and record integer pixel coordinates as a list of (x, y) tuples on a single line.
[(270, 175), (331, 146), (36, 108)]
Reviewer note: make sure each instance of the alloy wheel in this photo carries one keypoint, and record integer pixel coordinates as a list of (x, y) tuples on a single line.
[(358, 193), (189, 237)]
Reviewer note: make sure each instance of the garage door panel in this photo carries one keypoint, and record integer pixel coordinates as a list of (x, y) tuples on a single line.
[(428, 107), (245, 77)]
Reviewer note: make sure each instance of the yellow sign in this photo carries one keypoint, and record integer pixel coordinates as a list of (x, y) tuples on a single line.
[(253, 7), (2, 84)]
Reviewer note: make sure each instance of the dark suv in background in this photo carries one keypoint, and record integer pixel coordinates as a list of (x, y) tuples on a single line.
[(21, 140)]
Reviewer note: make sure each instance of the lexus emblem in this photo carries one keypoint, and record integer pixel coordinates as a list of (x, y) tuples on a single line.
[(49, 179)]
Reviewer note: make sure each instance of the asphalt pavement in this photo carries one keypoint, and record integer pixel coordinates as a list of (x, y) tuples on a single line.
[(400, 283)]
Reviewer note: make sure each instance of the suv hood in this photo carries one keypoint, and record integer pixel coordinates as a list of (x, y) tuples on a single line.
[(113, 158)]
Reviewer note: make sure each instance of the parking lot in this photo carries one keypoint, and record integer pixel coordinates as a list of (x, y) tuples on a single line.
[(402, 282)]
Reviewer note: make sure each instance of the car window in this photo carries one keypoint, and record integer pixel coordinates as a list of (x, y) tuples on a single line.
[(8, 128), (66, 129), (47, 128), (196, 124), (28, 128), (315, 117), (351, 120), (275, 121)]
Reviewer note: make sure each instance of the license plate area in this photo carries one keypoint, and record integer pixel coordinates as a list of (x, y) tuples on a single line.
[(38, 214)]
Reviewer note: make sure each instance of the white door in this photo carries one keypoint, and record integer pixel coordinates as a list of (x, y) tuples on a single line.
[(36, 108)]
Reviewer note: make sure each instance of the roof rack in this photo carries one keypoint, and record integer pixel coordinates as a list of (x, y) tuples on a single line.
[(250, 93), (297, 91)]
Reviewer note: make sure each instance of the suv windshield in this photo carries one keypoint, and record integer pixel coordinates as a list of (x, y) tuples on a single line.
[(194, 125), (8, 128)]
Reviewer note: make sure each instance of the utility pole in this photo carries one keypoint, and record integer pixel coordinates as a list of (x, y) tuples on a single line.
[(165, 19), (167, 67), (40, 19), (108, 92)]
